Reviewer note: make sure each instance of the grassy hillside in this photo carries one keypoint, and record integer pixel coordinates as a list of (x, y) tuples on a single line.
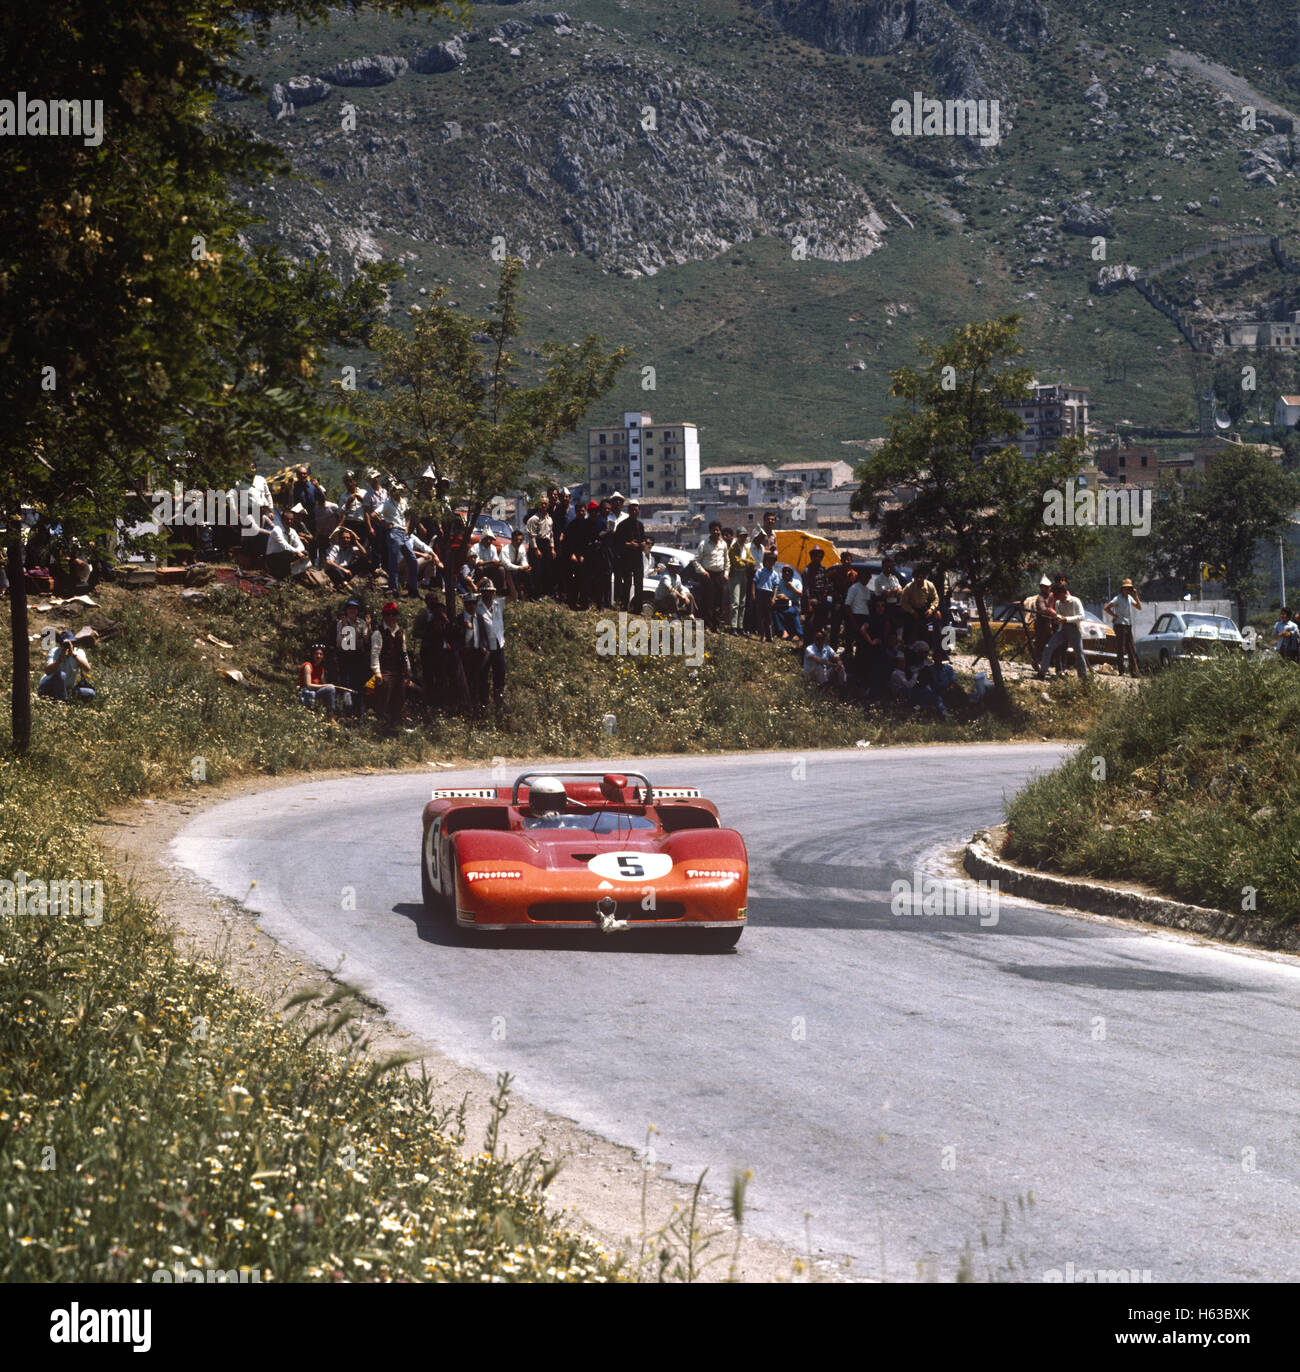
[(1200, 774)]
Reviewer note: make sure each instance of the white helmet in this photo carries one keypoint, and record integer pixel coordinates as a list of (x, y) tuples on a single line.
[(547, 796)]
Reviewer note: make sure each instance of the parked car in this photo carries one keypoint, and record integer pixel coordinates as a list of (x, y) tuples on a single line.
[(681, 560), (1098, 637), (1187, 634), (498, 528)]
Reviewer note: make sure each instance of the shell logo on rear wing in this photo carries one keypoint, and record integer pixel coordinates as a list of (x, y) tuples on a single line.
[(670, 793), (464, 793)]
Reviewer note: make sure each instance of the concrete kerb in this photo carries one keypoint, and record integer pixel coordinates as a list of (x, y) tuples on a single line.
[(982, 861)]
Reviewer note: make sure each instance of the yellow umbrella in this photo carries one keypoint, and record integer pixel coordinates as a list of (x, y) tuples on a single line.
[(794, 546)]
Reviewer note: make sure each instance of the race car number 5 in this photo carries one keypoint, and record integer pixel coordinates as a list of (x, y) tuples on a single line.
[(631, 866)]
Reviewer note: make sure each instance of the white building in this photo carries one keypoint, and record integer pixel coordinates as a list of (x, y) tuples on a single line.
[(1286, 413), (642, 458), (817, 476)]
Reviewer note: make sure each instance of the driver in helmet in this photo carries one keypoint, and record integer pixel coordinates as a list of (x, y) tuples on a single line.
[(547, 796)]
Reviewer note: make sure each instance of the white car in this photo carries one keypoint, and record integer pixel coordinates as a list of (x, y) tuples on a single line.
[(1180, 635), (681, 560)]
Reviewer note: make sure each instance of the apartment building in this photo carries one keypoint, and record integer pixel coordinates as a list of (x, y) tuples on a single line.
[(642, 458), (1052, 413), (817, 476)]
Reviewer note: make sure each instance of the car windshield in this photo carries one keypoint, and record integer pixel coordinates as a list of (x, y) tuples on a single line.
[(1218, 622), (590, 821)]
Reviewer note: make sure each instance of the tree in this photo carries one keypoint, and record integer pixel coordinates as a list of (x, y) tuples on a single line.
[(134, 320), (1221, 517), (1245, 498), (450, 399), (1176, 545), (950, 490)]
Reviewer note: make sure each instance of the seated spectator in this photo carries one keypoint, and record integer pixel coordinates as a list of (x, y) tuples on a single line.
[(514, 563), (313, 689), (821, 663), (428, 565), (286, 556), (672, 595), (67, 671), (1286, 634), (489, 561), (905, 686), (785, 605), (467, 578), (344, 558)]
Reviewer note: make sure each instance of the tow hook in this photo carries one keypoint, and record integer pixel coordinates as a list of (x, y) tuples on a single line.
[(606, 909)]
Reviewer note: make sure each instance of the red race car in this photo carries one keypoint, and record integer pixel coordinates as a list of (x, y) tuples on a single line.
[(584, 850)]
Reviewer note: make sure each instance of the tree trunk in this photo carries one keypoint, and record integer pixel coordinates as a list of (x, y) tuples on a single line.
[(990, 649), (22, 658)]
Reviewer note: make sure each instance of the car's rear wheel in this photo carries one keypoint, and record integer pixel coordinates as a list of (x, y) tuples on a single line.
[(720, 940), (1165, 659)]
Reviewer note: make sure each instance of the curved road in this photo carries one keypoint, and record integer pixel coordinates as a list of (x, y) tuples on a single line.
[(1068, 1090)]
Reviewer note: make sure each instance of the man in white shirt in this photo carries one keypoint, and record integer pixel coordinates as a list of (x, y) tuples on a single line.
[(672, 595), (285, 554), (1121, 609), (821, 663), (514, 562), (344, 558), (715, 558), (490, 641), (256, 507), (890, 589), (1069, 612), (541, 546), (393, 517)]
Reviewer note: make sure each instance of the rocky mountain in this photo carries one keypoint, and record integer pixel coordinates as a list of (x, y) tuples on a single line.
[(636, 153)]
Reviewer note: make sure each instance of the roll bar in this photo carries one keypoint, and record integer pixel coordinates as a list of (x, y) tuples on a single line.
[(631, 776)]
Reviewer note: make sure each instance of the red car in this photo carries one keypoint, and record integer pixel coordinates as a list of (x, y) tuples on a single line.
[(582, 850)]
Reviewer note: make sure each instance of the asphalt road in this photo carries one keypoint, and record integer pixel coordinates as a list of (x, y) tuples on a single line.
[(1066, 1091)]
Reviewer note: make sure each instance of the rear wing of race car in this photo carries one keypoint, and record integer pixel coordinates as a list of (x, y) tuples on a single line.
[(643, 794)]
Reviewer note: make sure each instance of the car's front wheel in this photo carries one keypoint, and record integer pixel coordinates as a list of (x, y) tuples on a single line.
[(430, 883), (449, 870), (721, 940)]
